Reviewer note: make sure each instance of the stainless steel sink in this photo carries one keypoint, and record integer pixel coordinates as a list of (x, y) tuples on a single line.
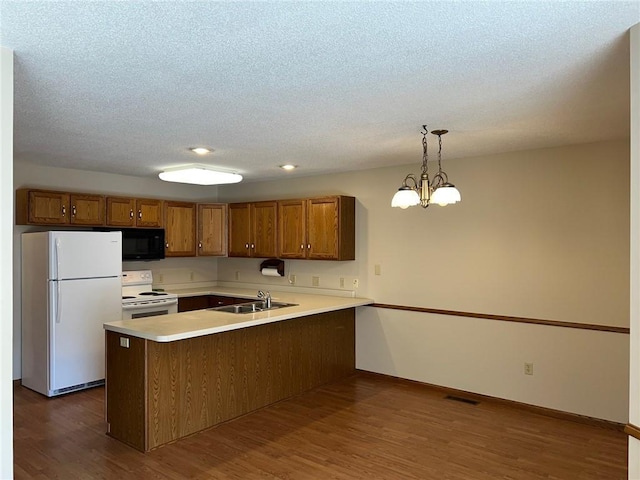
[(252, 307)]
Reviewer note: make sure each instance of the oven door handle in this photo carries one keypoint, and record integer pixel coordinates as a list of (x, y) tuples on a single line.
[(150, 305)]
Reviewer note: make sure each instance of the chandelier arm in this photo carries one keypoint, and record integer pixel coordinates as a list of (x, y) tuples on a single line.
[(440, 179), (413, 178)]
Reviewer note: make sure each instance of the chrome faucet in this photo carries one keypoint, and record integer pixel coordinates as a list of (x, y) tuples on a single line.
[(266, 297)]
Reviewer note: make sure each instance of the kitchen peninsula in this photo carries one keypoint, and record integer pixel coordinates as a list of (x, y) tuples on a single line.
[(173, 375)]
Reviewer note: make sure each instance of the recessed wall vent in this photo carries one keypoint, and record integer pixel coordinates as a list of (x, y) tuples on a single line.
[(463, 400)]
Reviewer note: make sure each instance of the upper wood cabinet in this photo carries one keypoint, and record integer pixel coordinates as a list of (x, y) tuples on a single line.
[(134, 212), (86, 209), (180, 229), (292, 228), (212, 229), (239, 230), (44, 207), (320, 228), (253, 229), (264, 226)]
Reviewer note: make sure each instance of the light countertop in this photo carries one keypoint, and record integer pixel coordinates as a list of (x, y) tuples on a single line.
[(179, 326)]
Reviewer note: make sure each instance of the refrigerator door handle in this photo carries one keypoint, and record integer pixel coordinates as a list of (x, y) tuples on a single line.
[(58, 306), (56, 259)]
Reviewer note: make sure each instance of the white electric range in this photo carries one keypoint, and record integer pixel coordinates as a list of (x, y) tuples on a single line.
[(139, 300)]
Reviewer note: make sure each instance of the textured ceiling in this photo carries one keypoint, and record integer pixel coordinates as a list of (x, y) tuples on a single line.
[(125, 87)]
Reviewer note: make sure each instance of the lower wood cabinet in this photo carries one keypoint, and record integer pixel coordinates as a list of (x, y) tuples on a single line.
[(157, 392), (200, 302)]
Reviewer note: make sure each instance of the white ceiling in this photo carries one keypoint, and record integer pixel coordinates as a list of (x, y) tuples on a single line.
[(126, 86)]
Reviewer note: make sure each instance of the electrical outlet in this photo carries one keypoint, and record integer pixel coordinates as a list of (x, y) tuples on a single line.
[(191, 275), (315, 281), (356, 283), (124, 342), (237, 275), (341, 282), (528, 368), (377, 270), (292, 279)]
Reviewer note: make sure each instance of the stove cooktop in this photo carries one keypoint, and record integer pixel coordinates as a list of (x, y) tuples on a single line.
[(137, 287)]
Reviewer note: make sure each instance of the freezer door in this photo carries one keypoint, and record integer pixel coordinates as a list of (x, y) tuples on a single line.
[(84, 254), (78, 310)]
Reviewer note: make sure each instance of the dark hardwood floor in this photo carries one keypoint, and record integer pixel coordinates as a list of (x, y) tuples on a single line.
[(366, 427)]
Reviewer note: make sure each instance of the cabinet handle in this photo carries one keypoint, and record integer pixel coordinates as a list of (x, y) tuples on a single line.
[(167, 245), (302, 246), (140, 214), (130, 213), (308, 246), (200, 245), (246, 245), (73, 211), (253, 246), (64, 211)]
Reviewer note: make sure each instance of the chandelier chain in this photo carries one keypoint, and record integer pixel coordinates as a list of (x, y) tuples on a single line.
[(439, 153), (425, 155)]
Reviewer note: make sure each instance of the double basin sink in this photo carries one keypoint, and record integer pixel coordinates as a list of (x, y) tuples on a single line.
[(253, 307)]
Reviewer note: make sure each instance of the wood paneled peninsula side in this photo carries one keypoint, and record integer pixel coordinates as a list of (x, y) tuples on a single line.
[(173, 375)]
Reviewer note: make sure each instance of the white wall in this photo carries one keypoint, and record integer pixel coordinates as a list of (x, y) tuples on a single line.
[(634, 378), (541, 234), (6, 222), (171, 270)]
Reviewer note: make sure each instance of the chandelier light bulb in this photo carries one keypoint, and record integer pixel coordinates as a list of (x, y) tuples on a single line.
[(447, 194), (405, 197)]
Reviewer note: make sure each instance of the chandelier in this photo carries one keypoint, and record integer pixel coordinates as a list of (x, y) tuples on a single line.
[(425, 192)]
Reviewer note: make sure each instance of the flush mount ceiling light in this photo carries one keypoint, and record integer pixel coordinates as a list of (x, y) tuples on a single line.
[(201, 150), (288, 167), (425, 192), (199, 175)]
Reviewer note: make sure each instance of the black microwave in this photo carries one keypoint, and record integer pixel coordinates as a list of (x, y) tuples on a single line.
[(141, 243)]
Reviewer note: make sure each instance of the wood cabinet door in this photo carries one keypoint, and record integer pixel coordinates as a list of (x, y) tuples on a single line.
[(48, 207), (149, 213), (188, 304), (322, 227), (239, 230), (180, 229), (219, 301), (212, 229), (87, 209), (292, 228), (264, 229), (121, 211)]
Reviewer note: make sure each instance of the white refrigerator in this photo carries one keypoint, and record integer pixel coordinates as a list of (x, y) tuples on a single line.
[(71, 285)]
